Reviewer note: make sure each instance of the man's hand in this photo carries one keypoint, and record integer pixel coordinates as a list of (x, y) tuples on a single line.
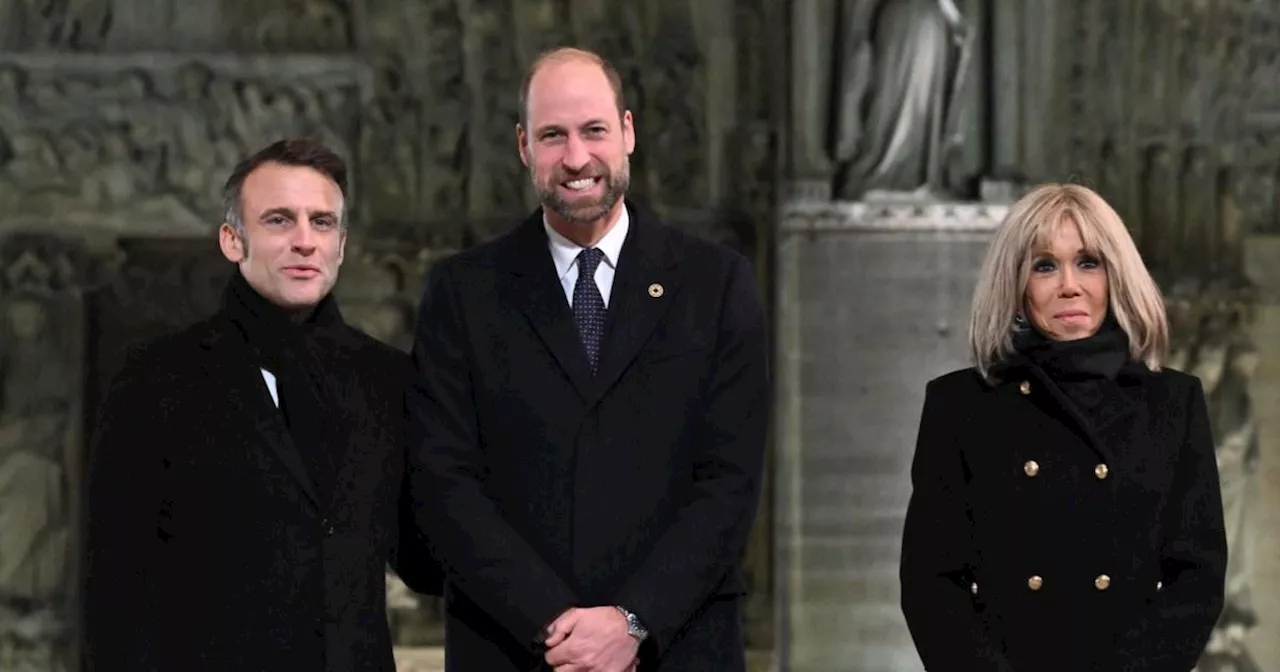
[(591, 640)]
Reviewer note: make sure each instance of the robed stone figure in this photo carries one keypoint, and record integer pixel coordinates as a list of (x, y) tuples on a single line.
[(903, 101)]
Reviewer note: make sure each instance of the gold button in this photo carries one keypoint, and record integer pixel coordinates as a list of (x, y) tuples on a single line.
[(1035, 582), (1031, 468), (973, 588), (1159, 585), (1025, 387), (1101, 472), (1102, 582)]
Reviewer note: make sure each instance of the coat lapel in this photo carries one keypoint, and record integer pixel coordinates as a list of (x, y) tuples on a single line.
[(1060, 403), (645, 284), (541, 298), (1100, 435), (227, 364), (646, 281)]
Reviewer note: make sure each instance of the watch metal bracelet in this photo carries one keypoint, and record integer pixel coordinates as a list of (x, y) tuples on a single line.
[(634, 627)]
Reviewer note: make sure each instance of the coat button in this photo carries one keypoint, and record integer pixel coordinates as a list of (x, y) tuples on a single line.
[(1102, 582), (1159, 586), (1101, 472), (1031, 468), (1025, 387), (1035, 582), (973, 588)]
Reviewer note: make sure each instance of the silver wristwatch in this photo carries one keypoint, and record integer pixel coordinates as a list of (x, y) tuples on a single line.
[(634, 628)]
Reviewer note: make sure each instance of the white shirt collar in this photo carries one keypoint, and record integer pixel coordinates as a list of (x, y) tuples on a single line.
[(564, 251)]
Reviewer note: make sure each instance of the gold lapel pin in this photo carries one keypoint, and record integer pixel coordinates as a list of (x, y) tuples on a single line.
[(655, 290)]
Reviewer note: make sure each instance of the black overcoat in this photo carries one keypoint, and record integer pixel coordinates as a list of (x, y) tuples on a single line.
[(208, 545), (544, 488), (1037, 540)]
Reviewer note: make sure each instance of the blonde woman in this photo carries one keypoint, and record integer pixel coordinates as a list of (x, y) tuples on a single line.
[(1065, 511)]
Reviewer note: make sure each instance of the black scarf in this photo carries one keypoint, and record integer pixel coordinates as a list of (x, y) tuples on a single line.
[(295, 352), (1086, 369)]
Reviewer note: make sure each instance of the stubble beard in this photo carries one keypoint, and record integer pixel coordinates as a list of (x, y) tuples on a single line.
[(616, 184)]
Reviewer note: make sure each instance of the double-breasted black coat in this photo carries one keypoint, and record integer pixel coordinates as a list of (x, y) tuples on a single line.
[(1037, 540), (545, 488), (210, 547)]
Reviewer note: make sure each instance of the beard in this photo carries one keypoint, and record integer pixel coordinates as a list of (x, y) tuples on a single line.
[(584, 211)]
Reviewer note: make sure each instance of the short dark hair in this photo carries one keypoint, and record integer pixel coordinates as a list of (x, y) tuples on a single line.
[(568, 54), (304, 152)]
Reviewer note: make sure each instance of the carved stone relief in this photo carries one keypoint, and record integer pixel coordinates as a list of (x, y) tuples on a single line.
[(289, 26), (190, 26), (41, 322), (1210, 326), (1168, 98), (128, 146), (70, 25)]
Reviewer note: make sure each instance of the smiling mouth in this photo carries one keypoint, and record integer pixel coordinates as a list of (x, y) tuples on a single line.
[(580, 184)]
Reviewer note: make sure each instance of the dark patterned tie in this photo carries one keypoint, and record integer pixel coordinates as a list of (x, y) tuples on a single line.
[(588, 305)]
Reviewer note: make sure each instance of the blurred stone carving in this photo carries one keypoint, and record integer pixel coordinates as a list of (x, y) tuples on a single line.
[(1211, 326), (281, 26), (70, 25), (295, 25), (38, 397), (40, 392), (146, 151)]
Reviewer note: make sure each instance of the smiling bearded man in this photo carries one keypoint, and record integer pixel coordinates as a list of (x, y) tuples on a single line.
[(588, 415)]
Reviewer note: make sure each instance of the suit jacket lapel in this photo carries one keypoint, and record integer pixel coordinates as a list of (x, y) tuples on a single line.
[(540, 296), (646, 282), (227, 364)]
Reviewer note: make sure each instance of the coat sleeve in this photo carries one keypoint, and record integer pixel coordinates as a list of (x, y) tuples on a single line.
[(709, 535), (411, 556), (936, 571), (1174, 630), (125, 524), (482, 555)]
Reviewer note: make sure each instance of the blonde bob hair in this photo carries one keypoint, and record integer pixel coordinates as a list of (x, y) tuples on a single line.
[(1132, 295)]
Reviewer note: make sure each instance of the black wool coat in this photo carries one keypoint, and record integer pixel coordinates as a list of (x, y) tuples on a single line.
[(1037, 540), (209, 547), (544, 487)]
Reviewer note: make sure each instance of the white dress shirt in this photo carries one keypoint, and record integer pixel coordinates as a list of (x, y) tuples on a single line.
[(564, 253), (271, 386)]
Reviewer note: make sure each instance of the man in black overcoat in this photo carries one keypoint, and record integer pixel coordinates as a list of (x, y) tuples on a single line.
[(247, 473), (589, 414)]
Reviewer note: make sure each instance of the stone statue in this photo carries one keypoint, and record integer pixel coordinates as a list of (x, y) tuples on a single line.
[(35, 423), (898, 125)]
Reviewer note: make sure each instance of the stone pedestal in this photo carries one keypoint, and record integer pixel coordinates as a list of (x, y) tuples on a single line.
[(873, 302)]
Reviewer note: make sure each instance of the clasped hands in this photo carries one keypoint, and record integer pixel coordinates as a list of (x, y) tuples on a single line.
[(591, 640)]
